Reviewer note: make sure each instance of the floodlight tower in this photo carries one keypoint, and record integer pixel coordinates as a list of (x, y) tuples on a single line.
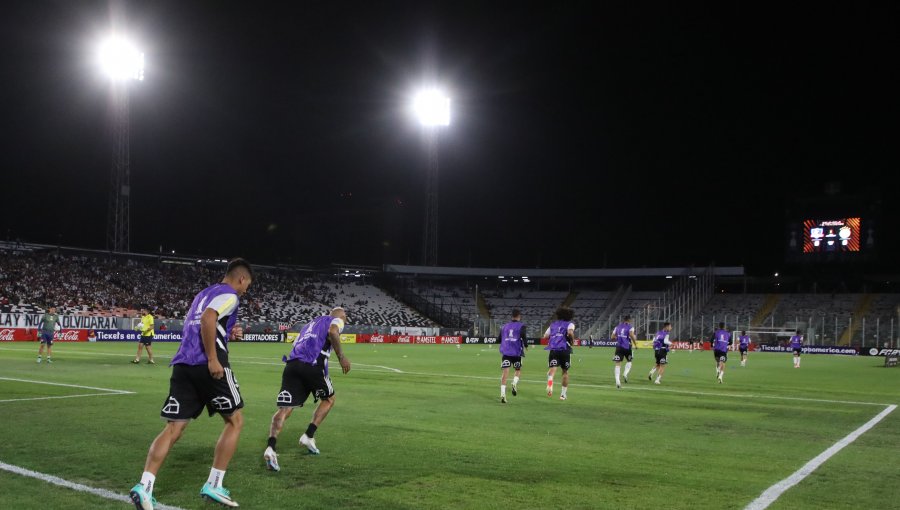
[(432, 109), (122, 63)]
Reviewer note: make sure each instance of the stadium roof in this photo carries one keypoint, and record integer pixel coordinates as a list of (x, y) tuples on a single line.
[(564, 273)]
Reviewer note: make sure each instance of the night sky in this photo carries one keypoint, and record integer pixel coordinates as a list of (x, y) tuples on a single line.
[(583, 134)]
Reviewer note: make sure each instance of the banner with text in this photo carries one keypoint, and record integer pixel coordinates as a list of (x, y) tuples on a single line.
[(32, 320)]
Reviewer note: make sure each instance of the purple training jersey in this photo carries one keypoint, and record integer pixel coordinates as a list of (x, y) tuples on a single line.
[(623, 335), (558, 339), (660, 341), (312, 345), (222, 298), (721, 340), (511, 339), (796, 341), (745, 340)]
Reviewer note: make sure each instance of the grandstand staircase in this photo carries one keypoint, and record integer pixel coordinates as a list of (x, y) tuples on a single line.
[(767, 308), (483, 309), (604, 323), (862, 308), (566, 302)]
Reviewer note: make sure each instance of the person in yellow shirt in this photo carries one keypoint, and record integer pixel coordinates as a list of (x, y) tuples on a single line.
[(146, 329)]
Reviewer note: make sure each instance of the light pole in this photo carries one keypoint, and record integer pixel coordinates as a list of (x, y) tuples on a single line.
[(432, 109), (121, 62)]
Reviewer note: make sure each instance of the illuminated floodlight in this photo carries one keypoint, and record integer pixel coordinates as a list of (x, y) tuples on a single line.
[(432, 108), (120, 59)]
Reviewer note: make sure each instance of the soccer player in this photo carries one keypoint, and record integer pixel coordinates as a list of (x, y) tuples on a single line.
[(661, 349), (48, 326), (146, 329), (721, 340), (797, 346), (743, 346), (512, 348), (560, 336), (202, 376), (625, 341), (305, 372)]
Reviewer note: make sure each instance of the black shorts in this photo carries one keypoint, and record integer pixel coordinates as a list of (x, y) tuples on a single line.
[(798, 350), (743, 350), (622, 353), (559, 359), (721, 355), (147, 340), (298, 380), (661, 356), (191, 388), (511, 361), (47, 338)]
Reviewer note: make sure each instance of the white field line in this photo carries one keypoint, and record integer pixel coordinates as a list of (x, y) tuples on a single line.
[(774, 492), (103, 493), (106, 391)]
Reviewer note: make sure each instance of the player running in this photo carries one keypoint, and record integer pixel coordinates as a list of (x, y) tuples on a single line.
[(560, 338), (797, 347), (743, 346), (625, 342), (512, 348), (721, 340), (305, 372), (661, 349), (202, 377)]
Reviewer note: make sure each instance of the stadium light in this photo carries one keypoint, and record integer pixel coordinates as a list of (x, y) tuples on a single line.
[(432, 108), (120, 60), (122, 63)]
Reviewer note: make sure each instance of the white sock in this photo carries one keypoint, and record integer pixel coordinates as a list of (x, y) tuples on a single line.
[(215, 477), (147, 480), (618, 371), (798, 360), (652, 370), (502, 390), (658, 378), (515, 380), (563, 392), (721, 374), (627, 368)]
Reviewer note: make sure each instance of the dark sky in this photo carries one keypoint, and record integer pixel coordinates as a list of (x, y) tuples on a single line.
[(583, 135)]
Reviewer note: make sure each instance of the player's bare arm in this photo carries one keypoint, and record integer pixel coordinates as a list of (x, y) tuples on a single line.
[(334, 336)]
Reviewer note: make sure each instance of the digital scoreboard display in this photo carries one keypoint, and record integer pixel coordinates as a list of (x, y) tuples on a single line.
[(832, 235)]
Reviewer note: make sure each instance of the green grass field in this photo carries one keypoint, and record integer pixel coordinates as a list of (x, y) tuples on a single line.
[(421, 427)]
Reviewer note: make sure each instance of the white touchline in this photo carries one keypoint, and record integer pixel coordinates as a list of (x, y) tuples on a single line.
[(772, 493), (63, 396), (109, 390), (103, 493)]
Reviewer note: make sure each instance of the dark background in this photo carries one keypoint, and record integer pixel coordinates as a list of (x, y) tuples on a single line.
[(583, 134)]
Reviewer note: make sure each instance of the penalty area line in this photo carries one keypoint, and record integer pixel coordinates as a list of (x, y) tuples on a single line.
[(55, 480), (774, 492)]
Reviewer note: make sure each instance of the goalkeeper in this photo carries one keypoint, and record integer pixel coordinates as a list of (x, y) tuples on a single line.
[(146, 329)]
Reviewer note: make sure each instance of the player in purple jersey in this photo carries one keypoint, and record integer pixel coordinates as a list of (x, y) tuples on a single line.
[(661, 350), (625, 342), (797, 347), (744, 346), (512, 348), (721, 339), (305, 373), (560, 336), (202, 377)]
